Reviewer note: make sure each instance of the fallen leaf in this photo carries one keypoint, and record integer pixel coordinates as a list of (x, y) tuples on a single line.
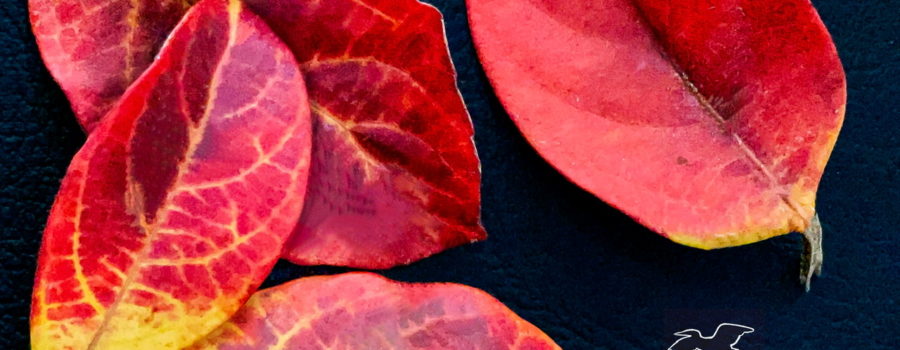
[(367, 311), (96, 48), (395, 177), (179, 203), (709, 121)]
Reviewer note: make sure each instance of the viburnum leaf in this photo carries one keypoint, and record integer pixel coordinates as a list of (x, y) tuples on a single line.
[(97, 48), (395, 177), (709, 121), (178, 205), (367, 311)]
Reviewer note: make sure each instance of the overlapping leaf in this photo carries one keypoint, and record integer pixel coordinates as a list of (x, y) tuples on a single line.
[(366, 311), (97, 48), (708, 121), (180, 201), (395, 177)]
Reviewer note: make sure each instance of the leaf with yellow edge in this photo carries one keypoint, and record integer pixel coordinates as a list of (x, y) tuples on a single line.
[(179, 203), (367, 311)]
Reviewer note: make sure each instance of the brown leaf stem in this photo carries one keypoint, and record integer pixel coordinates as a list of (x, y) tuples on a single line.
[(811, 261)]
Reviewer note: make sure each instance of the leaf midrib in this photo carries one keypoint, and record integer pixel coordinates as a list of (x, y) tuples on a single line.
[(782, 192)]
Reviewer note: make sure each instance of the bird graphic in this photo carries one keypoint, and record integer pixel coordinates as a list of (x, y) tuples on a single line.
[(726, 337)]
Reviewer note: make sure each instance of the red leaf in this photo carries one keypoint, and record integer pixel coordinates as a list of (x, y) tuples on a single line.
[(395, 177), (367, 311), (96, 48), (709, 121), (180, 201)]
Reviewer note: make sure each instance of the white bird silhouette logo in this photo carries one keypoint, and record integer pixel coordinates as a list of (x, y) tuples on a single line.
[(727, 335)]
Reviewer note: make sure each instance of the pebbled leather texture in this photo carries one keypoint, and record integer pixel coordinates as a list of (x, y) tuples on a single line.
[(583, 272)]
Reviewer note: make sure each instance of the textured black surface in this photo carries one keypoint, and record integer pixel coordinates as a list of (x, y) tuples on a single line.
[(585, 273)]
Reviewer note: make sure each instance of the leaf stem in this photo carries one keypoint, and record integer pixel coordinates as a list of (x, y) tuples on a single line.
[(811, 261)]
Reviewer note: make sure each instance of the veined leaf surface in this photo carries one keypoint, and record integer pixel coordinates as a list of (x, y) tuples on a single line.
[(96, 48), (367, 311), (395, 177), (179, 203), (709, 121)]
